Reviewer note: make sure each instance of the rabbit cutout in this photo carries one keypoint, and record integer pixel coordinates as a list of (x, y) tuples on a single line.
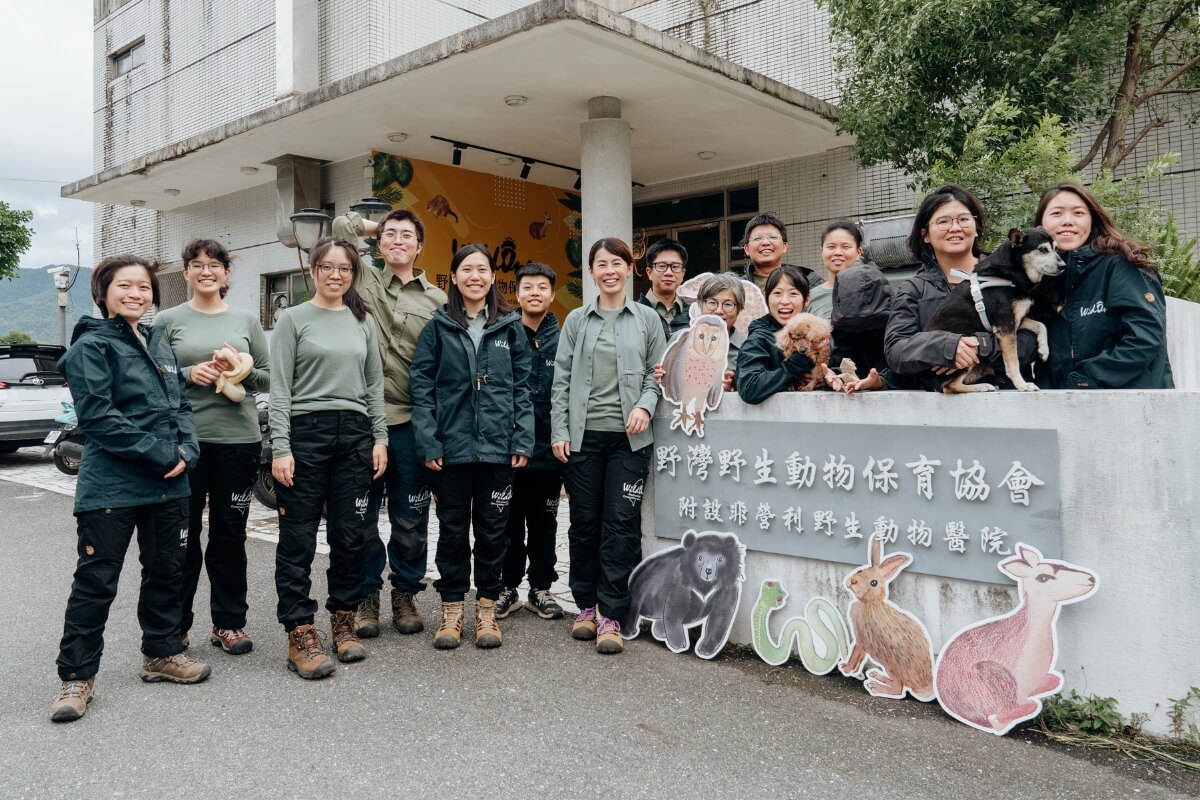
[(993, 674), (885, 633)]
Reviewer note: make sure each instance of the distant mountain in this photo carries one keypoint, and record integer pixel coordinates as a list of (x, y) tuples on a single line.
[(29, 303)]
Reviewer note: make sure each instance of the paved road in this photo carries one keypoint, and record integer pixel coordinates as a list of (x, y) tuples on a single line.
[(543, 716)]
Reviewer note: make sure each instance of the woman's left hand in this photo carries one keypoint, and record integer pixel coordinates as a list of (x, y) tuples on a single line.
[(638, 422), (177, 470), (867, 384), (379, 460), (519, 461), (659, 374), (727, 381), (834, 381), (434, 464)]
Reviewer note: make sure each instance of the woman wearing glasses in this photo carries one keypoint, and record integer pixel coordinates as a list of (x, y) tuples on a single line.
[(724, 295), (229, 436), (945, 237), (329, 440)]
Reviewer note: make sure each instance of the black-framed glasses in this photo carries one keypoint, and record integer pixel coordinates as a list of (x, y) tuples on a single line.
[(667, 266), (947, 222)]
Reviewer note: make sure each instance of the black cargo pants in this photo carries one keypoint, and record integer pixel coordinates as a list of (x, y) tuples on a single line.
[(536, 493), (471, 496)]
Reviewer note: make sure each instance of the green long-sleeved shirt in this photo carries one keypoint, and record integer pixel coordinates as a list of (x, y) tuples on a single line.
[(324, 360), (194, 335)]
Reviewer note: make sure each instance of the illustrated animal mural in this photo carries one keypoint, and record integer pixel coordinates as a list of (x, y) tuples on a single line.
[(821, 618), (538, 228), (439, 206), (993, 674), (693, 368), (695, 583), (885, 633), (809, 334)]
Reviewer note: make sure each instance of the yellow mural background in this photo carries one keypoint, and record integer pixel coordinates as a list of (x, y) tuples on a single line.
[(517, 220)]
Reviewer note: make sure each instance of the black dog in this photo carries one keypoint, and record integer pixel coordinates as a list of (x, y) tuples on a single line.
[(1004, 284)]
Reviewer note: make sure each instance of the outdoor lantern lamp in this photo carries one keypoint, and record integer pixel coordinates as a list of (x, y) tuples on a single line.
[(371, 208), (308, 226)]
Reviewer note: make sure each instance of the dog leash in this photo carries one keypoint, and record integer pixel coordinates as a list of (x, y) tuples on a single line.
[(977, 287)]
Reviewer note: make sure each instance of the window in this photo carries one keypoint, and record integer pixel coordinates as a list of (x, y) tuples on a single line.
[(125, 60), (279, 291)]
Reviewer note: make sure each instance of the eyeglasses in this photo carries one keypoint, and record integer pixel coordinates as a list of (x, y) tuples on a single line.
[(329, 269), (946, 223), (392, 233), (765, 237), (667, 266), (201, 267), (712, 304)]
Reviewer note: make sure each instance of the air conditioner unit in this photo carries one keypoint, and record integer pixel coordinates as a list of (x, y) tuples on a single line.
[(886, 241)]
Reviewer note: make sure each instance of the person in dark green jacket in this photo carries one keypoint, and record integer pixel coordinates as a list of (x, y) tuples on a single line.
[(1111, 331), (140, 443), (473, 421), (761, 370)]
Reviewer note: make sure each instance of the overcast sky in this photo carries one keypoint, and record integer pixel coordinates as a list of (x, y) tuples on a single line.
[(46, 69)]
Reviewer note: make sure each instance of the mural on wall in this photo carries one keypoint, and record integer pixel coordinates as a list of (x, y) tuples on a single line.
[(885, 633), (993, 674), (698, 582), (821, 620), (518, 221), (693, 371)]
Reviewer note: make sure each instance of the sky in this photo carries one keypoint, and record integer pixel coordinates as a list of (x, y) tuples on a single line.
[(46, 138)]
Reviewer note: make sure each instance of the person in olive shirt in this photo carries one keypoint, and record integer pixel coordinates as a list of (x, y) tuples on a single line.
[(329, 440), (666, 263), (765, 243), (230, 441), (402, 303)]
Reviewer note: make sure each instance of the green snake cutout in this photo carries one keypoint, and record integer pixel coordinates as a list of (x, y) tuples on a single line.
[(821, 617)]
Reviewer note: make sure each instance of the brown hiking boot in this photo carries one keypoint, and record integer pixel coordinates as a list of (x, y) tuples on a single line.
[(368, 617), (608, 637), (449, 634), (179, 668), (345, 642), (233, 641), (405, 617), (487, 632), (584, 628), (306, 657), (72, 700)]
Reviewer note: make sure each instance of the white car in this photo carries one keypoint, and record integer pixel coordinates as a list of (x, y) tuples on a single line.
[(32, 392)]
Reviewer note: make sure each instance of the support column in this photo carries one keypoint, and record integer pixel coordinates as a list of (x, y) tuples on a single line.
[(606, 169), (296, 31)]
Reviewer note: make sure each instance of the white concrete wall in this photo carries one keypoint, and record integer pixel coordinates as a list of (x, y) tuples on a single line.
[(1183, 338), (1129, 510)]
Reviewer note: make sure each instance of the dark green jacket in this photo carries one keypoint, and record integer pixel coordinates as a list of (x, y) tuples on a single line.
[(1112, 330), (544, 344), (472, 406), (133, 412), (761, 370)]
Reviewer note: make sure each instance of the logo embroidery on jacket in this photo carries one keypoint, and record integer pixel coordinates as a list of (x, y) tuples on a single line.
[(1097, 308), (503, 343)]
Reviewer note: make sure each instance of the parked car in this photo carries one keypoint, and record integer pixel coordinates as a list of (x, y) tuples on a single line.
[(32, 392)]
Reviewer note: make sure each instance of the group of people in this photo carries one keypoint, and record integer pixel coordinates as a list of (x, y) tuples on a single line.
[(383, 384)]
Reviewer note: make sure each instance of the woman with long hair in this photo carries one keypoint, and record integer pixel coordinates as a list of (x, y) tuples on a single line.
[(200, 331), (1111, 330), (604, 395), (328, 440), (473, 420), (762, 371), (141, 441), (945, 239)]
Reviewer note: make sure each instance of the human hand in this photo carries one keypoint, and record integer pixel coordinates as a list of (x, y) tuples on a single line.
[(561, 450), (867, 384), (967, 354), (204, 373), (519, 461), (638, 421), (177, 469), (727, 381), (283, 469), (434, 464), (659, 372), (834, 381), (379, 459)]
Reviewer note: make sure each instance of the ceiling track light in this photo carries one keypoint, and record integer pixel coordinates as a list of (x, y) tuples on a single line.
[(526, 167), (578, 181), (506, 158), (457, 159)]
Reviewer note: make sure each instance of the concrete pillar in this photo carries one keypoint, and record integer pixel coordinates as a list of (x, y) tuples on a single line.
[(605, 160), (296, 31)]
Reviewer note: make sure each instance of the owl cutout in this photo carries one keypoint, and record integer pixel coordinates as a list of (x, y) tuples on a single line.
[(693, 367)]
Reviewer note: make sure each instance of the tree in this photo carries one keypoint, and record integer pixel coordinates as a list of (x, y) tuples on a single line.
[(918, 77), (17, 337), (15, 238)]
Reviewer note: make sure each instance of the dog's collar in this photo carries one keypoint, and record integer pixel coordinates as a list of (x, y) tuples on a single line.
[(977, 287)]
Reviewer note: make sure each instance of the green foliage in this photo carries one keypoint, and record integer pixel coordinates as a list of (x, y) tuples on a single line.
[(15, 238), (17, 337), (1072, 712), (1183, 728)]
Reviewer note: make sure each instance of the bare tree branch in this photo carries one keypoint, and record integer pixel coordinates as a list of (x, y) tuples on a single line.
[(1179, 91), (1126, 149), (1165, 82), (1095, 149), (1169, 24)]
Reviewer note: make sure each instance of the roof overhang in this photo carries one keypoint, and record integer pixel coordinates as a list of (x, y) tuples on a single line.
[(680, 101)]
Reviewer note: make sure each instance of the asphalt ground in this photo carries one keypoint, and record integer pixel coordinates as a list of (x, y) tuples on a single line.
[(543, 716)]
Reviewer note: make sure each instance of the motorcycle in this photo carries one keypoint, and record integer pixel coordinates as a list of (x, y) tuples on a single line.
[(65, 443)]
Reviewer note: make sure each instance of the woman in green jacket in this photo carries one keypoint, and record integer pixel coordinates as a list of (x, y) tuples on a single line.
[(1111, 331), (604, 394), (473, 420)]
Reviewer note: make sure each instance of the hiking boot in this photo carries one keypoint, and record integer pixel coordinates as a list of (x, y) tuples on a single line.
[(368, 617), (179, 668), (405, 617), (542, 603), (72, 700), (584, 628), (506, 602), (306, 657), (345, 642), (449, 634), (608, 637), (234, 641), (487, 632)]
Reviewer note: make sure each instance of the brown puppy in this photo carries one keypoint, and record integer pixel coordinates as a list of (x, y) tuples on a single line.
[(809, 334)]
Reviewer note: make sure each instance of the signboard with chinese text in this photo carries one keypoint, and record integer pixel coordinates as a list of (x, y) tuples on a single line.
[(958, 499)]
